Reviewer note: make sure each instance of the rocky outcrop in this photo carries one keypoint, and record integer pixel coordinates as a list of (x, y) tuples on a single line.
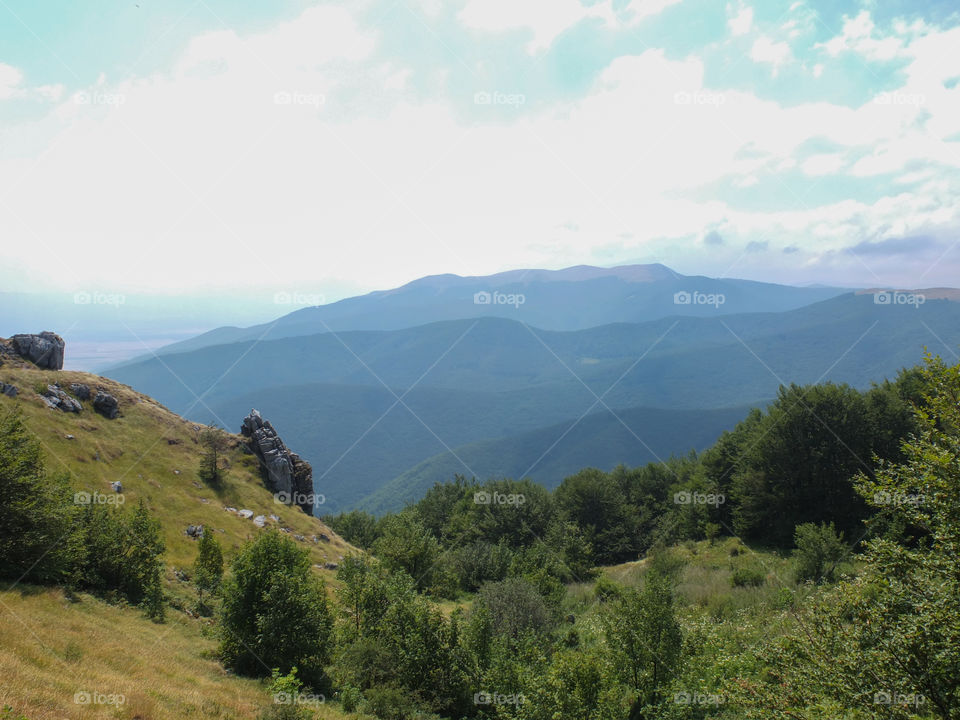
[(54, 397), (80, 391), (106, 404), (44, 350), (288, 476)]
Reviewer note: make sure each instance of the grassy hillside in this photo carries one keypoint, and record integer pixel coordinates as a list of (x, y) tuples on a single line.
[(154, 454), (52, 648)]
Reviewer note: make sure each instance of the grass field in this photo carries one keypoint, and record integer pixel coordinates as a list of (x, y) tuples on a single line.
[(155, 454)]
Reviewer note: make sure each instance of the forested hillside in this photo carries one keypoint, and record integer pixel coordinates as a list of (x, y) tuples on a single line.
[(804, 566), (368, 409)]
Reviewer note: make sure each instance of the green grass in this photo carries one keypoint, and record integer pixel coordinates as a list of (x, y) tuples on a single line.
[(155, 455), (52, 648)]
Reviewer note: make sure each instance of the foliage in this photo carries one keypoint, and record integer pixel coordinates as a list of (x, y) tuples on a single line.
[(887, 641), (274, 611), (819, 552), (122, 554), (644, 635), (208, 568), (214, 443), (37, 543)]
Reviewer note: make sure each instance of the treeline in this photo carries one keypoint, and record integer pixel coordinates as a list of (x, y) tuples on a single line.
[(789, 465), (50, 535)]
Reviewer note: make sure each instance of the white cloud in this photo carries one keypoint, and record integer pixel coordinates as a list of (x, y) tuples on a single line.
[(765, 50), (742, 22), (858, 36), (199, 177), (546, 20), (824, 164), (10, 78)]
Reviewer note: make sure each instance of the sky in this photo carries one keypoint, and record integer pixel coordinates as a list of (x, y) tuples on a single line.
[(328, 149)]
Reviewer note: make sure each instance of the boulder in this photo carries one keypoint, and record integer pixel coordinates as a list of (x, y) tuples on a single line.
[(245, 514), (194, 531), (44, 350), (116, 486), (8, 390), (288, 476), (54, 397), (106, 404), (330, 566), (80, 391), (260, 521)]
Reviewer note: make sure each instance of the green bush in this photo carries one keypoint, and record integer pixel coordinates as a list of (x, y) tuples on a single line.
[(606, 589), (748, 577), (390, 703), (350, 698), (122, 555), (820, 550), (274, 611)]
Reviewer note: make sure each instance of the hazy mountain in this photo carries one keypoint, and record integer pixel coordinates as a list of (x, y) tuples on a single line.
[(337, 396), (571, 299)]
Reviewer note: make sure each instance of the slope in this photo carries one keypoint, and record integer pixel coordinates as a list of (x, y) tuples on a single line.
[(155, 454)]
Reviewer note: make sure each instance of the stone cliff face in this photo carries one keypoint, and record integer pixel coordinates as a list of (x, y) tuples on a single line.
[(286, 474), (44, 350)]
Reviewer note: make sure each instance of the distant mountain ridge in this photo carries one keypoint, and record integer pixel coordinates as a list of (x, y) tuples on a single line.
[(574, 298), (364, 407)]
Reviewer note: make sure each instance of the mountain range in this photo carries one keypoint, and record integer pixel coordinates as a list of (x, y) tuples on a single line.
[(383, 405)]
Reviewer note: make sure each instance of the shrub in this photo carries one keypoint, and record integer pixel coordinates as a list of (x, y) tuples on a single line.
[(274, 611), (819, 552), (606, 589), (390, 703), (748, 577), (122, 555)]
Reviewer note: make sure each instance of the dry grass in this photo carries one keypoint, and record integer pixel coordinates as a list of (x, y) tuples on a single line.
[(155, 455), (52, 651), (51, 648)]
